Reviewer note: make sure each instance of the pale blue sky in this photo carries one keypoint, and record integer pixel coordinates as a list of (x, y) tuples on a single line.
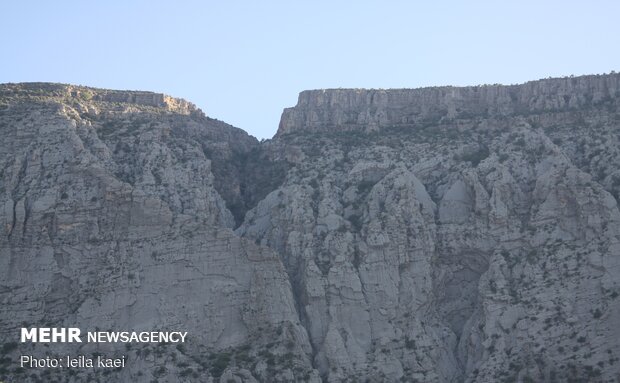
[(244, 61)]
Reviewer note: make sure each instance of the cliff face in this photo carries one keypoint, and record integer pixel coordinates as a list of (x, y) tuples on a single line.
[(454, 234), (363, 109), (432, 235), (112, 220)]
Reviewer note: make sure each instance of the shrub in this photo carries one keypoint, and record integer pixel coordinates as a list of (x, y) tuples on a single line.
[(219, 364), (476, 156), (597, 314), (8, 347), (409, 343)]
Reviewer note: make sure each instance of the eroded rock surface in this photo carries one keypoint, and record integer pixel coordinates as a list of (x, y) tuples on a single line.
[(431, 235)]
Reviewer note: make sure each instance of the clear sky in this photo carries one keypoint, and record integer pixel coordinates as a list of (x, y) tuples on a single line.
[(244, 61)]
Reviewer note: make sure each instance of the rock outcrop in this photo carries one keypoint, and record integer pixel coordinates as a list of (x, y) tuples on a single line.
[(111, 220), (372, 109), (430, 235)]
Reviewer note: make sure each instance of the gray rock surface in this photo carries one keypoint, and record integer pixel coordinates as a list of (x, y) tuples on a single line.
[(111, 220), (430, 235)]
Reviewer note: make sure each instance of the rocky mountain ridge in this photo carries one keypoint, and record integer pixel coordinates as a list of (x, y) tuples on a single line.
[(433, 235), (368, 109), (62, 91)]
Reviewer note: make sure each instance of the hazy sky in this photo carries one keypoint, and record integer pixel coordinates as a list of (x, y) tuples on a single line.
[(244, 61)]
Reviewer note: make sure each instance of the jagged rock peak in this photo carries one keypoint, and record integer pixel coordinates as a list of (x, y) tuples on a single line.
[(370, 109), (83, 93)]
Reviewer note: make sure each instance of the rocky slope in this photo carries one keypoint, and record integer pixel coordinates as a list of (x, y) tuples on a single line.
[(431, 235), (111, 220)]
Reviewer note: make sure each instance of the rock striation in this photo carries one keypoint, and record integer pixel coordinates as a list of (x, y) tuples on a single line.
[(111, 220), (420, 235), (369, 109)]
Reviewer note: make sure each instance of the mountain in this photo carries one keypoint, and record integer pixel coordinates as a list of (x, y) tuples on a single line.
[(448, 234)]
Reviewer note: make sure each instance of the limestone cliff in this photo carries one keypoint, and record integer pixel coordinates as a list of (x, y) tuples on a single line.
[(370, 109), (430, 235), (112, 220)]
